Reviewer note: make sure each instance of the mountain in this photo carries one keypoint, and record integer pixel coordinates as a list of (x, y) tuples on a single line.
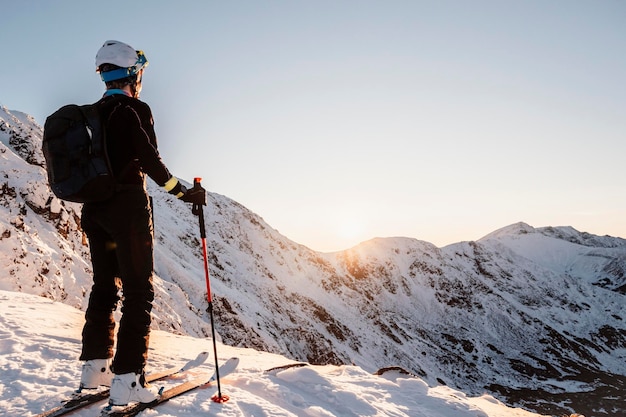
[(533, 315)]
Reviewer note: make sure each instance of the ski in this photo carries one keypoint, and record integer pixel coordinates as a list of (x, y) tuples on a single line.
[(83, 399), (133, 409), (277, 369), (396, 369)]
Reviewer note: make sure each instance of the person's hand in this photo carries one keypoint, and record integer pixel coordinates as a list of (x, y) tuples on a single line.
[(195, 195)]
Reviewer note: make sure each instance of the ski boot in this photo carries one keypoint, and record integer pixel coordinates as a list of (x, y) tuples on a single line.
[(130, 387), (95, 372)]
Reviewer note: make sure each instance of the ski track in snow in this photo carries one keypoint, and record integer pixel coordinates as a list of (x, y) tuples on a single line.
[(40, 344)]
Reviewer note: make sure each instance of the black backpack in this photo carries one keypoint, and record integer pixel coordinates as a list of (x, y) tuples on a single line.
[(74, 146)]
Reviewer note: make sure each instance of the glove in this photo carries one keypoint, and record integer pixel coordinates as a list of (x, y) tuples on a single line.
[(195, 195)]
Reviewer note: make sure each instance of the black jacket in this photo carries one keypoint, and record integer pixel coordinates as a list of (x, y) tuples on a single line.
[(131, 141)]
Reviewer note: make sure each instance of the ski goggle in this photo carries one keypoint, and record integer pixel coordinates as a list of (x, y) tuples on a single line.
[(120, 73)]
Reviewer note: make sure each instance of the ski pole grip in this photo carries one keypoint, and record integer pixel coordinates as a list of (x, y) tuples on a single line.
[(196, 209)]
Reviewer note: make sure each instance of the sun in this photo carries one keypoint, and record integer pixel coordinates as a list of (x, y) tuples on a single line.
[(350, 228), (338, 229)]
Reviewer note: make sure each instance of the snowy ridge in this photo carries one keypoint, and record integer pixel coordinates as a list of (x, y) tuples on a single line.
[(565, 250), (533, 315)]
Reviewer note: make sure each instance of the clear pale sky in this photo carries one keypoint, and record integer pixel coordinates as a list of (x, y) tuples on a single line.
[(339, 121)]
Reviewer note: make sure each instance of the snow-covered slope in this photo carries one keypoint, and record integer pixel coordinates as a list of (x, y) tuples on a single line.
[(534, 315), (40, 342)]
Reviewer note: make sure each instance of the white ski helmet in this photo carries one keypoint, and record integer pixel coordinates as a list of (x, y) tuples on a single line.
[(129, 61)]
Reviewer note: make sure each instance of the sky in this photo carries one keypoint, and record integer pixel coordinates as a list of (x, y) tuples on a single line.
[(341, 121)]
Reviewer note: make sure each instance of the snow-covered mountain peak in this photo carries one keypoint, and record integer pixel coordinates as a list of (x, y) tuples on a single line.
[(570, 234), (515, 229), (23, 134), (565, 233), (388, 246)]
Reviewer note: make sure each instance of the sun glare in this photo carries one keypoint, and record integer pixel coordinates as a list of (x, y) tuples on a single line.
[(350, 228)]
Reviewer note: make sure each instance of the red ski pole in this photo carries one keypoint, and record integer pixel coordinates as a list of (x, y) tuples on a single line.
[(198, 211)]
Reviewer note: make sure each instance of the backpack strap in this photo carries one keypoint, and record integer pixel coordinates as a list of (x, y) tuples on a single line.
[(96, 111), (94, 128)]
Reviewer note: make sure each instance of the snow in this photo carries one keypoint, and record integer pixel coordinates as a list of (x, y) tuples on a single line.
[(40, 344), (555, 254)]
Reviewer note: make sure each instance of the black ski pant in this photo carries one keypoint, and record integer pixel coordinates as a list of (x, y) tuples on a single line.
[(120, 237)]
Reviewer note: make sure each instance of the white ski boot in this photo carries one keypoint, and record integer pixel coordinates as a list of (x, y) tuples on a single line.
[(96, 372), (128, 388)]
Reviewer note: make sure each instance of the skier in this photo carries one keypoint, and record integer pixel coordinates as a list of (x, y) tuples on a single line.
[(120, 232)]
